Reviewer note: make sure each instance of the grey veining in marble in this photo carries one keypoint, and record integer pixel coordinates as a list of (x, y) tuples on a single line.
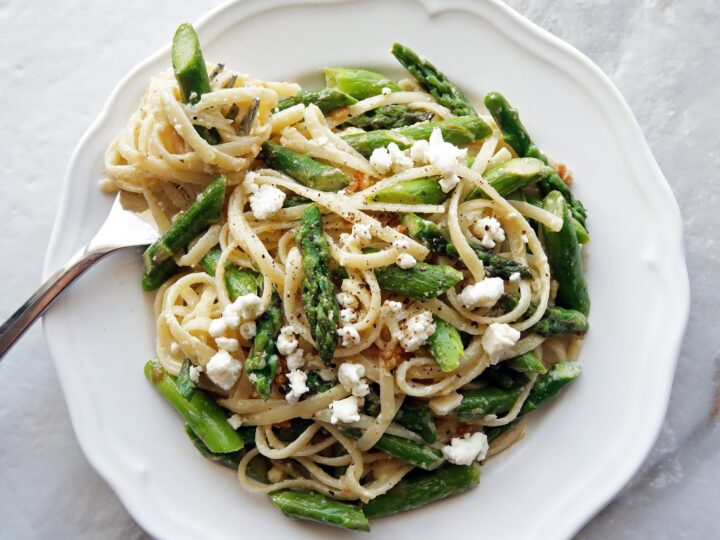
[(60, 60)]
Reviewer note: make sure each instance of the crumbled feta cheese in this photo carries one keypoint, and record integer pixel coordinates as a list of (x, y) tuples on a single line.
[(248, 329), (295, 360), (297, 380), (347, 300), (217, 327), (351, 376), (515, 276), (484, 293), (416, 330), (345, 410), (444, 155), (348, 316), (247, 307), (385, 90), (223, 370), (395, 310), (227, 344), (175, 348), (391, 158), (406, 261), (266, 201), (490, 232), (235, 421), (286, 341), (444, 405), (497, 339), (349, 336), (361, 234), (465, 450), (194, 373)]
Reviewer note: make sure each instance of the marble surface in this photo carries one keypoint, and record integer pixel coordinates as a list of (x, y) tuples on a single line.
[(60, 61)]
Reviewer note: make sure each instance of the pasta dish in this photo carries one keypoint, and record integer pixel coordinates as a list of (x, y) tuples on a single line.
[(361, 291)]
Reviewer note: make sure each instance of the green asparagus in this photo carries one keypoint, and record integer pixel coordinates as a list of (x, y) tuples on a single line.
[(188, 224), (459, 130), (295, 200), (306, 170), (415, 191), (420, 488), (503, 377), (358, 83), (420, 455), (495, 265), (230, 460), (414, 415), (512, 175), (433, 80), (389, 117), (427, 232), (317, 384), (527, 363), (327, 99), (185, 384), (239, 281), (555, 320), (318, 290), (263, 363), (321, 509), (549, 385), (191, 73), (563, 253), (445, 345), (422, 282), (158, 274), (205, 417)]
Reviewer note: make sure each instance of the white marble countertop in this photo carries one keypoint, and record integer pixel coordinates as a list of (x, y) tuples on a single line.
[(59, 63)]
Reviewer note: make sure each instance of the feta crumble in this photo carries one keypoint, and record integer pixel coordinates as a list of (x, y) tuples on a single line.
[(383, 160), (217, 327), (416, 330), (348, 316), (295, 359), (515, 276), (223, 370), (484, 293), (497, 339), (345, 410), (444, 155), (351, 376), (297, 380), (347, 300), (361, 234), (349, 336), (465, 450), (247, 307), (266, 201), (286, 341), (194, 373), (490, 232), (235, 421), (248, 329), (395, 310), (227, 344), (444, 405), (406, 261)]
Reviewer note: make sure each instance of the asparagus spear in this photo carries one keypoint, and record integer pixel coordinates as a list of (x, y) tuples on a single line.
[(158, 274), (416, 191), (295, 200), (422, 282), (239, 281), (527, 363), (563, 253), (445, 345), (389, 117), (317, 384), (185, 384), (420, 455), (205, 417), (503, 377), (317, 507), (230, 460), (437, 240), (512, 175), (433, 80), (262, 364), (188, 224), (459, 130), (327, 99), (318, 290), (421, 488), (481, 402), (358, 83), (191, 73), (515, 134), (412, 415), (556, 320), (306, 170)]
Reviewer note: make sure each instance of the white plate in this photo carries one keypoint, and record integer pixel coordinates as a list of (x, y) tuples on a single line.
[(580, 450)]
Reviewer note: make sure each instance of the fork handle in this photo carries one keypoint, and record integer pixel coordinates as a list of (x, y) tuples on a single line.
[(30, 311)]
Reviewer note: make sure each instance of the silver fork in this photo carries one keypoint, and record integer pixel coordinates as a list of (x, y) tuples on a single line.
[(122, 229)]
